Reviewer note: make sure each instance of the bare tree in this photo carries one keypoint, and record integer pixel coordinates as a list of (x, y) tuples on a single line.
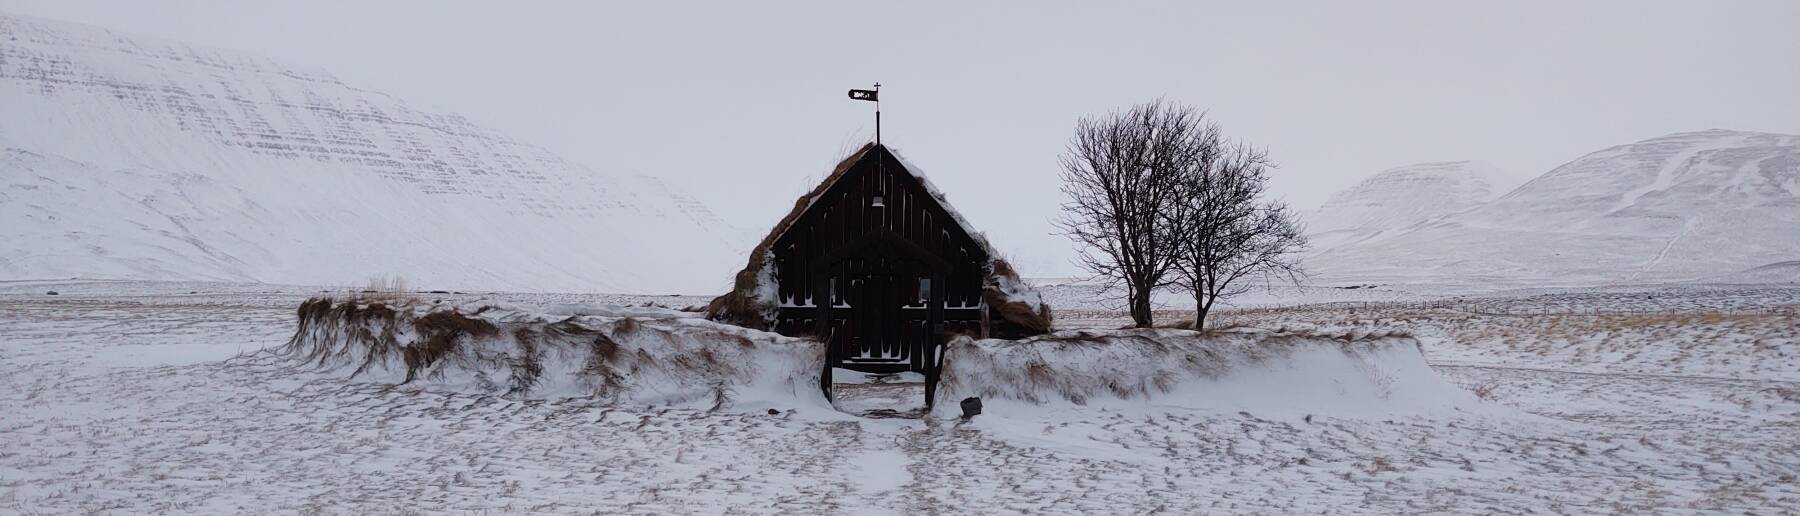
[(1119, 173), (1225, 233)]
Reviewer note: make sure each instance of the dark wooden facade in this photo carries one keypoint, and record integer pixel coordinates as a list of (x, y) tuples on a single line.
[(877, 267)]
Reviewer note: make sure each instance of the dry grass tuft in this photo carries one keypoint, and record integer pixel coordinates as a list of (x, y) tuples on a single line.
[(626, 327), (1028, 321), (371, 326), (441, 332), (1039, 372), (1381, 465), (1003, 268), (604, 353), (741, 306), (385, 288), (1485, 391), (1017, 319), (527, 366)]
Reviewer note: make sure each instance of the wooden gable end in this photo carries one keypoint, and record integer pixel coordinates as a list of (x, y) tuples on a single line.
[(846, 214)]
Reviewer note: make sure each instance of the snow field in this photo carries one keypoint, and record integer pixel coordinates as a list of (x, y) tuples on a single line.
[(132, 398), (1743, 333)]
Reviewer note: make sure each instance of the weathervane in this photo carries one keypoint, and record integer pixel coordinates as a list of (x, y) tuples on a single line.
[(873, 95)]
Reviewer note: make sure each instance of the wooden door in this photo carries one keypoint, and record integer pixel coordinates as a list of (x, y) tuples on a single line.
[(880, 307), (877, 340)]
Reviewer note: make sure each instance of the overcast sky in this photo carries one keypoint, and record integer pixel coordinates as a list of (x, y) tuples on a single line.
[(743, 102)]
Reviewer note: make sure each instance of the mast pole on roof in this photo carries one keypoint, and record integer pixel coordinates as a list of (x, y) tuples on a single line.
[(873, 95), (880, 161)]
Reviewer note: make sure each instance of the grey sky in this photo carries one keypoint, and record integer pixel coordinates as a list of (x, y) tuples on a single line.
[(743, 103)]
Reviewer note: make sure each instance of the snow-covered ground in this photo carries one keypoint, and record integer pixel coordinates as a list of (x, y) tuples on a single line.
[(153, 397)]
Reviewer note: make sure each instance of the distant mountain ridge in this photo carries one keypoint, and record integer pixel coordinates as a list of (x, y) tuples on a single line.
[(1398, 198), (1673, 208), (143, 158)]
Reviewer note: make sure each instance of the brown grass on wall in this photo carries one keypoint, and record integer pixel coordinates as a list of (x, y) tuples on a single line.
[(503, 350)]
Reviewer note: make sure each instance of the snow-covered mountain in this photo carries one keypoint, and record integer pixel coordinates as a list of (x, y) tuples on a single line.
[(1398, 198), (1678, 207), (136, 157)]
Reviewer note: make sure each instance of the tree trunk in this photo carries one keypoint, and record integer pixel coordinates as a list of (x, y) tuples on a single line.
[(1200, 309), (1140, 309)]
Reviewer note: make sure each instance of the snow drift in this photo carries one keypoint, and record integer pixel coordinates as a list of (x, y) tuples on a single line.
[(616, 355), (1256, 371)]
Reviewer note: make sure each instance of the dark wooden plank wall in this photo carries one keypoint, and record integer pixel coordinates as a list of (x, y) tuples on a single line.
[(845, 214)]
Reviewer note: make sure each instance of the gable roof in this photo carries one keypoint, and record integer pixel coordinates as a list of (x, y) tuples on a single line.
[(805, 203), (753, 300)]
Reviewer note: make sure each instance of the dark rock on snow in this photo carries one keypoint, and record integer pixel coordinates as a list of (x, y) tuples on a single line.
[(971, 407)]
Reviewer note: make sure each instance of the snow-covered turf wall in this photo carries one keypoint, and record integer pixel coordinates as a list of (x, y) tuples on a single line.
[(651, 356), (1264, 372), (635, 356)]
